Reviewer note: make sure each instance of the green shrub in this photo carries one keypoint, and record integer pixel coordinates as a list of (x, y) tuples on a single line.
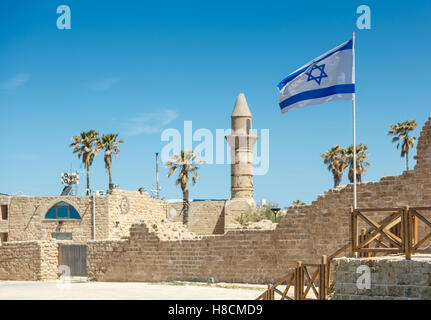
[(258, 213)]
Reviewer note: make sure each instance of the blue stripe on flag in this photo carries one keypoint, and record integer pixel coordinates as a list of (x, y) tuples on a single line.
[(291, 77), (318, 93), (347, 46)]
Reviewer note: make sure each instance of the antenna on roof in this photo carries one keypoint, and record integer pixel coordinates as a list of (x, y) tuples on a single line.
[(67, 191), (156, 192), (69, 179)]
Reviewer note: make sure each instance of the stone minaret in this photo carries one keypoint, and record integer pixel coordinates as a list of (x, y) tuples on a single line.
[(241, 143)]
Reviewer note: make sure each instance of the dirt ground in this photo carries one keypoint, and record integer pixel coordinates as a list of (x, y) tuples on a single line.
[(80, 289)]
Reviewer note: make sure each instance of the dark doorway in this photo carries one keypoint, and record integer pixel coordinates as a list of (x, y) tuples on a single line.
[(75, 257)]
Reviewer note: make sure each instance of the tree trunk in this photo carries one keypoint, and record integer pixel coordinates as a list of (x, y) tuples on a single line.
[(186, 206), (88, 181), (407, 160), (336, 180), (111, 186)]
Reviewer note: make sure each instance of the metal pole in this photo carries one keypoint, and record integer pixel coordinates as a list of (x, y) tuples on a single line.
[(77, 182), (157, 175), (354, 127), (94, 216)]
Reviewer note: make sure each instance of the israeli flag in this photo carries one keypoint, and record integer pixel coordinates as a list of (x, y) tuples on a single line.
[(329, 77)]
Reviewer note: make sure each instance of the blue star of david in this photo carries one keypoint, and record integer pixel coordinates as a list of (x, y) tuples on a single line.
[(318, 79)]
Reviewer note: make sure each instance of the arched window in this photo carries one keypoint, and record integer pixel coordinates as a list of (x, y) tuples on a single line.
[(62, 210)]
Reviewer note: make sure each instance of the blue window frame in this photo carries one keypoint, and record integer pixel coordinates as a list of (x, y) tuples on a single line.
[(62, 210)]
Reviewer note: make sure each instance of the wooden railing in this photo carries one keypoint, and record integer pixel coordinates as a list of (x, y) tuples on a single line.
[(308, 275), (309, 281), (395, 233)]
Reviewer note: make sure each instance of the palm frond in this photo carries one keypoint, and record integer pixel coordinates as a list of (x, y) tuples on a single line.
[(186, 161)]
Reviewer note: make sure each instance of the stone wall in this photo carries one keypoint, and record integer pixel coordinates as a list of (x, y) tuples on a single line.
[(27, 218), (237, 256), (205, 217), (235, 208), (392, 277), (28, 260), (24, 259), (304, 233), (4, 223), (130, 207), (212, 216), (115, 213), (48, 260), (326, 220)]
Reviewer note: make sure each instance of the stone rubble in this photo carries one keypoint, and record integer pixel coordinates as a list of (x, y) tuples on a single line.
[(172, 230)]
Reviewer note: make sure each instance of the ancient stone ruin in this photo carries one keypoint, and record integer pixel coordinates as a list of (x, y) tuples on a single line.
[(134, 238)]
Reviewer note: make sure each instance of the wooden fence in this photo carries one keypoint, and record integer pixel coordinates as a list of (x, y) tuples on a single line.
[(309, 281), (396, 233)]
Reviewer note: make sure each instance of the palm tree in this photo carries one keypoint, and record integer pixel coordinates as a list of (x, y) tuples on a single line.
[(184, 161), (87, 146), (335, 158), (110, 144), (361, 163), (401, 132)]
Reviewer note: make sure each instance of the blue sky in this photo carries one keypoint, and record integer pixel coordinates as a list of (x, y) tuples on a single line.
[(138, 67)]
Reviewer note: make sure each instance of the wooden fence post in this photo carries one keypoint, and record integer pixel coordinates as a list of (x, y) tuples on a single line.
[(328, 276), (322, 278), (270, 292), (415, 229), (299, 286), (407, 233), (302, 282), (362, 238), (410, 217)]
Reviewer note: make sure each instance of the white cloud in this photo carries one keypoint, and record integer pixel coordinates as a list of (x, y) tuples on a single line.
[(103, 84), (150, 122), (15, 81)]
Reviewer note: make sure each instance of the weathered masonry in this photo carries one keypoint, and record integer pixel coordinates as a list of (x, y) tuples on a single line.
[(392, 277), (128, 249), (76, 218), (305, 233)]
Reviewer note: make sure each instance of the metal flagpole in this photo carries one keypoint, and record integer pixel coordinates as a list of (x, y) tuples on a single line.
[(354, 127), (157, 176)]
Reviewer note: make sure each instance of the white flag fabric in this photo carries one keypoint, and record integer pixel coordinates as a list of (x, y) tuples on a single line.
[(329, 77)]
